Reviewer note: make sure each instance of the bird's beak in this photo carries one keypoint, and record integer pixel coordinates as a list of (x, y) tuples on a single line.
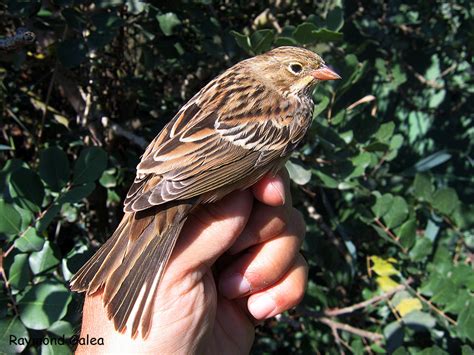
[(324, 73)]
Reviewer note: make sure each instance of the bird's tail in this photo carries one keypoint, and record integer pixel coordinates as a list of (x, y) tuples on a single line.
[(130, 265)]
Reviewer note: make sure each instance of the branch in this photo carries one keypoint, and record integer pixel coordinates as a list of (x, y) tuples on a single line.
[(120, 131), (395, 238), (432, 306), (430, 83), (375, 337), (373, 300)]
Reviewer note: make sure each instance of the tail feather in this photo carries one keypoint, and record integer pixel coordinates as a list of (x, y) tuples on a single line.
[(130, 265)]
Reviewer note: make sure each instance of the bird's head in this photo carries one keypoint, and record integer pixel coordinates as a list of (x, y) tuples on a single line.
[(292, 70)]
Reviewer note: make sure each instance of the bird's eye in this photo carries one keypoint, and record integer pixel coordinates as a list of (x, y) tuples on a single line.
[(295, 68)]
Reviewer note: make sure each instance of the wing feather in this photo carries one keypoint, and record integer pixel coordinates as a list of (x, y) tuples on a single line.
[(219, 139)]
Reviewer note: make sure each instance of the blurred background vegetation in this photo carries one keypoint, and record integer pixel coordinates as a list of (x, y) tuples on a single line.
[(384, 178)]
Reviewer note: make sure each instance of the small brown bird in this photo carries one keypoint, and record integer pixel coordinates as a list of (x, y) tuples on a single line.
[(242, 125)]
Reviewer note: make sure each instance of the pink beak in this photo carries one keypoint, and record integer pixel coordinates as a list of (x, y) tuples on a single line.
[(324, 73)]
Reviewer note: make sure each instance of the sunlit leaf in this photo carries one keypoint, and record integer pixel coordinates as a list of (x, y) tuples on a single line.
[(44, 304), (408, 305)]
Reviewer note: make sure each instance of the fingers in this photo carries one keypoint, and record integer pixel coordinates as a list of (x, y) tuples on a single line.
[(266, 263), (273, 190), (285, 294), (265, 223), (211, 230)]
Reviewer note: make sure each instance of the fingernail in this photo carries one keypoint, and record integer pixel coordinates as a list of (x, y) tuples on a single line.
[(235, 286), (262, 306), (280, 188)]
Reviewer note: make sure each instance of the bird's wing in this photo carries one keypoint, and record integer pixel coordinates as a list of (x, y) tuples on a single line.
[(213, 142)]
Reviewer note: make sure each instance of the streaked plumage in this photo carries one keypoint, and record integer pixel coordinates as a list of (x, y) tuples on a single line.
[(239, 127)]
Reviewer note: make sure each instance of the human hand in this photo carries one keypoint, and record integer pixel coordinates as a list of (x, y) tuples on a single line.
[(236, 263)]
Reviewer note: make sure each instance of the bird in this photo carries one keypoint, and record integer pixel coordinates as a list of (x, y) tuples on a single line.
[(241, 126)]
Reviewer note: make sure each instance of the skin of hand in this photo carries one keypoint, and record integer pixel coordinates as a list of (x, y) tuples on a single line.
[(236, 263)]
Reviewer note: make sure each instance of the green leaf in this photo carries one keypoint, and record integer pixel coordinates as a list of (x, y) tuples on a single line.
[(90, 165), (10, 219), (407, 233), (397, 212), (9, 328), (48, 217), (242, 40), (382, 205), (385, 132), (298, 174), (168, 22), (422, 187), (77, 193), (324, 35), (285, 41), (335, 19), (467, 350), (393, 333), (9, 167), (321, 104), (27, 189), (445, 200), (433, 350), (304, 33), (422, 248), (43, 260), (26, 217), (361, 162), (261, 41), (55, 348), (419, 319), (466, 322), (30, 241), (62, 328), (327, 180), (109, 178), (19, 272), (44, 304), (54, 168), (395, 144)]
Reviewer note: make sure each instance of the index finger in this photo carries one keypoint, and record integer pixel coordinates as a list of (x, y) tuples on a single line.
[(273, 190)]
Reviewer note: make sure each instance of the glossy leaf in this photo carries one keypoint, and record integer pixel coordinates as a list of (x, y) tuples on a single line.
[(44, 304), (19, 273), (27, 189), (43, 260), (12, 333), (10, 219), (54, 168), (29, 241), (90, 165)]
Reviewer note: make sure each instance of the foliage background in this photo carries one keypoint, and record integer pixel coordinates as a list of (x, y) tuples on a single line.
[(384, 178)]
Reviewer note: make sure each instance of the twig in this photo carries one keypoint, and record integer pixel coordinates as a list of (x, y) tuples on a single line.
[(48, 95), (337, 338), (375, 337), (430, 83), (395, 238), (432, 306), (373, 300), (120, 131)]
